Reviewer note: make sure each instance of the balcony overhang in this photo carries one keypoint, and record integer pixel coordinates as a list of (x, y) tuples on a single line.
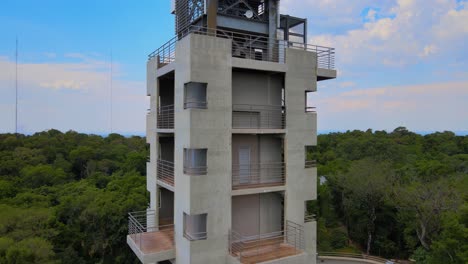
[(156, 250), (263, 189), (325, 74)]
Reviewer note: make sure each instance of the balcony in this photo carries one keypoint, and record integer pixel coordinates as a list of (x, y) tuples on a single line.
[(165, 171), (246, 116), (257, 175), (248, 46), (165, 117), (150, 242), (310, 164), (267, 247)]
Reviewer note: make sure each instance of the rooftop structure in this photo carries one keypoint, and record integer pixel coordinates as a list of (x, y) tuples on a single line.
[(229, 129)]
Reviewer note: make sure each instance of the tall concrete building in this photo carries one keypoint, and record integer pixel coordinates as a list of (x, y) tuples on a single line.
[(229, 130)]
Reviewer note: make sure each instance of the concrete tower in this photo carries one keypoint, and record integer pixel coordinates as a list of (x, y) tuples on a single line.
[(228, 129)]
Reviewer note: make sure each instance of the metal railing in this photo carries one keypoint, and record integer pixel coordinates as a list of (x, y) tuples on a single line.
[(354, 255), (310, 164), (165, 171), (311, 109), (258, 174), (195, 105), (258, 116), (248, 46), (241, 246), (202, 170), (309, 217), (165, 117), (143, 223), (195, 236), (165, 54)]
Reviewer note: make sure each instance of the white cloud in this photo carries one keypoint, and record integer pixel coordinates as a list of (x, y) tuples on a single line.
[(424, 107), (400, 33), (71, 95), (63, 84)]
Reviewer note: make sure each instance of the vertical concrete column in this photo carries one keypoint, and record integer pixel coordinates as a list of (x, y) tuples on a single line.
[(301, 183), (204, 59), (151, 135)]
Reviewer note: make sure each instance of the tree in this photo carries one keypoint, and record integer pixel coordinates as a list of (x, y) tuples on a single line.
[(422, 205), (31, 250), (42, 175), (365, 187)]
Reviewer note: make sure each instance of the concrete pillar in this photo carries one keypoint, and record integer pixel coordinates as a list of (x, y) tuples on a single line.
[(204, 59)]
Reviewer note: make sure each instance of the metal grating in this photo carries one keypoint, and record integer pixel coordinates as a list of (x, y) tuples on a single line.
[(257, 9), (187, 12)]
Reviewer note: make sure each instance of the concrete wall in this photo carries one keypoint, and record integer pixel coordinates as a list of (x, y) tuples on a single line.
[(301, 183), (207, 60), (151, 66)]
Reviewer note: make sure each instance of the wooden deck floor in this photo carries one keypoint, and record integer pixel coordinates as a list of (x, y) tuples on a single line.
[(276, 253), (266, 250), (256, 185), (153, 242)]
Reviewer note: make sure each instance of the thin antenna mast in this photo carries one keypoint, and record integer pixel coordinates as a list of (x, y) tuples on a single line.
[(16, 88), (111, 93)]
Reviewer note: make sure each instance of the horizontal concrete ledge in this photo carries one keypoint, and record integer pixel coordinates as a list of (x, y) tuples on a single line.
[(259, 65), (345, 260), (325, 74), (165, 69), (258, 190), (160, 130), (257, 131), (165, 185), (300, 258), (151, 257)]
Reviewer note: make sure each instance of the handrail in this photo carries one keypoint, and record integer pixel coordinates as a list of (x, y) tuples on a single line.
[(311, 109), (195, 105), (310, 164), (309, 217), (195, 236), (352, 255), (165, 171), (258, 174), (140, 223), (258, 116), (248, 46), (165, 117), (241, 246), (201, 170)]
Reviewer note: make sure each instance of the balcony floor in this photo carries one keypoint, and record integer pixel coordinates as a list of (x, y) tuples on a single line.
[(154, 242), (256, 185), (268, 252)]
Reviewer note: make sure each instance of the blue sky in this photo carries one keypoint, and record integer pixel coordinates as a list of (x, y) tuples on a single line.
[(400, 62)]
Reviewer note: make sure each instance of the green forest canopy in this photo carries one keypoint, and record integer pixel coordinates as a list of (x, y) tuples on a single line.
[(64, 197)]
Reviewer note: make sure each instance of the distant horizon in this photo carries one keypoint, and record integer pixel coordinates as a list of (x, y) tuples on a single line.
[(319, 132), (398, 62)]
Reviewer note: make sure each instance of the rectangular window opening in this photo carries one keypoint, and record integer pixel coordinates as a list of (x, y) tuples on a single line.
[(195, 227), (310, 156), (195, 96), (195, 161)]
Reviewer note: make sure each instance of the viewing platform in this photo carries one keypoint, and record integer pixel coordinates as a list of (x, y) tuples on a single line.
[(253, 47), (149, 241)]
